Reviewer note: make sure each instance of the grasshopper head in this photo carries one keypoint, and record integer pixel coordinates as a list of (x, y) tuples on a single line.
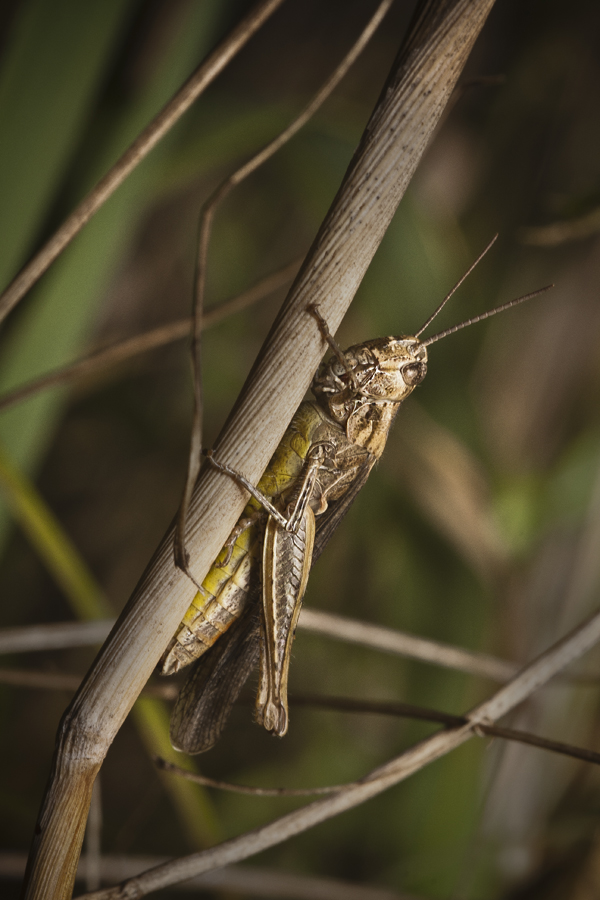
[(377, 373)]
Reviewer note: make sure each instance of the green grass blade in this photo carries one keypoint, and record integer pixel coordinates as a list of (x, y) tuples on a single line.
[(54, 62)]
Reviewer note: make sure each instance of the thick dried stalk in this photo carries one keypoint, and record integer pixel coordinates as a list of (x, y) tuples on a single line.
[(422, 80), (522, 686), (141, 147)]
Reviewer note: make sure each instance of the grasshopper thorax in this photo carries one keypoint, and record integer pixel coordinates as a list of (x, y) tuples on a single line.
[(377, 374)]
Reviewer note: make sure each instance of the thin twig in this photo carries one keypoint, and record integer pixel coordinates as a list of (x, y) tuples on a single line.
[(166, 766), (356, 631), (60, 635), (56, 681), (533, 676), (54, 636), (410, 711), (180, 554), (248, 881), (391, 641), (138, 150), (402, 710), (150, 340)]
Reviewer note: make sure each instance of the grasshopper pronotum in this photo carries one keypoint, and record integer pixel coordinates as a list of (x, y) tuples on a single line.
[(322, 462)]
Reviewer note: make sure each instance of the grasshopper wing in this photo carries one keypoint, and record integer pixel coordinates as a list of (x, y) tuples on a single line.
[(204, 702)]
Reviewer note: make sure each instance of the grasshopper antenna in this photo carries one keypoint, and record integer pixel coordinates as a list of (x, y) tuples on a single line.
[(485, 315), (456, 287)]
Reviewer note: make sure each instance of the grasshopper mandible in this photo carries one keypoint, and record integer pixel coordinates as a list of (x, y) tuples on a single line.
[(322, 462)]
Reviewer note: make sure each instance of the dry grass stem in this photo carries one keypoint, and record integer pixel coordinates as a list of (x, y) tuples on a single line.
[(141, 147), (60, 635), (391, 641), (252, 881), (166, 766), (54, 636), (417, 90)]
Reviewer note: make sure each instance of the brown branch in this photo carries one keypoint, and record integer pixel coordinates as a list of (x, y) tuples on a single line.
[(408, 710), (60, 681), (422, 79), (139, 149), (387, 708)]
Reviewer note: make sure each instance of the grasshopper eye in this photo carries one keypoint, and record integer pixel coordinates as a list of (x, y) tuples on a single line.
[(414, 373)]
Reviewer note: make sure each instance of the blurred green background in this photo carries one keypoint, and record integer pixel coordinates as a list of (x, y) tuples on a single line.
[(481, 526)]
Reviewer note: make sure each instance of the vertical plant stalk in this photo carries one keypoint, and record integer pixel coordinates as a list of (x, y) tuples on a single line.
[(141, 147), (422, 79)]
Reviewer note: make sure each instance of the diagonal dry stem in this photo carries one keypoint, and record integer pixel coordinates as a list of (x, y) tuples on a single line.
[(421, 81)]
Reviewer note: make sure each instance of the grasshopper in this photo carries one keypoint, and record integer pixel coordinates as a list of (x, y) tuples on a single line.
[(251, 598)]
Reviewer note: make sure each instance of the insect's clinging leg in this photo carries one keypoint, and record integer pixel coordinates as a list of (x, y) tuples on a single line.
[(243, 482), (329, 338)]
